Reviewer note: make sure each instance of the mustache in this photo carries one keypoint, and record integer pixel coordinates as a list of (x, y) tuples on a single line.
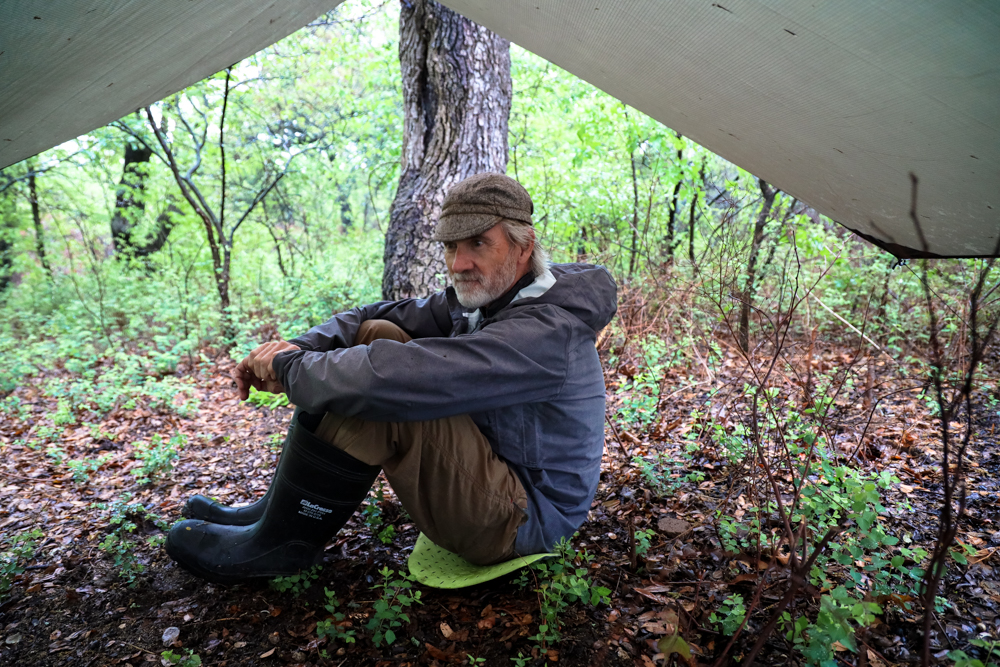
[(467, 277)]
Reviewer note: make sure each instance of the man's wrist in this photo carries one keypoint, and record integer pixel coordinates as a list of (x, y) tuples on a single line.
[(280, 361)]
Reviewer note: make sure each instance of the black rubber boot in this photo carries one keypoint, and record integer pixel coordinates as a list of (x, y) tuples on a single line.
[(315, 491), (204, 508)]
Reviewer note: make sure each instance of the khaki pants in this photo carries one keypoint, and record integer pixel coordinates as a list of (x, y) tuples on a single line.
[(456, 489)]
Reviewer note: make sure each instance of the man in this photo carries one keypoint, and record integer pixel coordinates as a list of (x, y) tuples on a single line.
[(483, 404)]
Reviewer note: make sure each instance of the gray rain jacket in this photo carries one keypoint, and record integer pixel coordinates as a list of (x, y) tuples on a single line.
[(529, 377)]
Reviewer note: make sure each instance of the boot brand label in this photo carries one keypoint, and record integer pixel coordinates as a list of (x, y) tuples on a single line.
[(312, 510)]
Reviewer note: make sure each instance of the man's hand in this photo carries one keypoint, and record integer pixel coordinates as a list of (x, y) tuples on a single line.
[(257, 369)]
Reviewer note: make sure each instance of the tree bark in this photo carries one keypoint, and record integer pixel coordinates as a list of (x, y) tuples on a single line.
[(693, 212), (767, 193), (7, 230), (456, 98), (635, 218), (36, 217), (672, 211), (130, 205)]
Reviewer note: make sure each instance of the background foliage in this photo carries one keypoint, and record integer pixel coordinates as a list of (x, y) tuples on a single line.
[(314, 122)]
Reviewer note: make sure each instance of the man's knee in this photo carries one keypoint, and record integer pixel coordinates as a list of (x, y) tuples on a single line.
[(380, 329)]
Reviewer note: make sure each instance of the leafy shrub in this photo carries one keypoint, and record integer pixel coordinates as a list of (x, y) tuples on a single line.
[(561, 582), (63, 415), (336, 626), (390, 609), (642, 538), (82, 469), (120, 543), (839, 614), (12, 408), (296, 583), (991, 651), (172, 659), (20, 549), (157, 458), (265, 399), (730, 614), (663, 475)]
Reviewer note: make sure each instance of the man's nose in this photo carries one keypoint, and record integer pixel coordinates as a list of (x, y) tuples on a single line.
[(462, 261)]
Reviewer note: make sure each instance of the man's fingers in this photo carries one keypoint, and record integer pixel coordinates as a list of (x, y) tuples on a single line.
[(239, 375), (257, 369), (260, 365), (260, 359)]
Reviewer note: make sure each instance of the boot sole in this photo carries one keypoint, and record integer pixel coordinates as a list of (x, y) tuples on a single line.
[(215, 577)]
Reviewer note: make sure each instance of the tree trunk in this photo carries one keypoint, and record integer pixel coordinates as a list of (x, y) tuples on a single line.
[(36, 217), (130, 205), (635, 218), (672, 211), (8, 222), (693, 213), (456, 99), (768, 194)]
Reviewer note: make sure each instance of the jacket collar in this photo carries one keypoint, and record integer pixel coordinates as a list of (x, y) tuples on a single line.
[(529, 286)]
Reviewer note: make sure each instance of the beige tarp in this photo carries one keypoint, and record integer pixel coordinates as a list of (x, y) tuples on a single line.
[(834, 101)]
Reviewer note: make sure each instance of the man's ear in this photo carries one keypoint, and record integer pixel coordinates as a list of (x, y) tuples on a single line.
[(524, 256)]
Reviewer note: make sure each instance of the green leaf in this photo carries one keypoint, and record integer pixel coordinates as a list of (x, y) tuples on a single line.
[(390, 636), (674, 644)]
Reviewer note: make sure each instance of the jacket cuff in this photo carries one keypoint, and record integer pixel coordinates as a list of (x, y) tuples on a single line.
[(281, 363)]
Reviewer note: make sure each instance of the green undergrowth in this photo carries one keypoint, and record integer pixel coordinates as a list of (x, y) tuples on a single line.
[(131, 524), (15, 553), (559, 583), (868, 569)]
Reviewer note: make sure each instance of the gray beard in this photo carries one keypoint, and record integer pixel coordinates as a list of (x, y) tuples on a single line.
[(475, 290)]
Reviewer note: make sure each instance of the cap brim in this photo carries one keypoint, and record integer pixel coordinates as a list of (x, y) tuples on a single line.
[(463, 226)]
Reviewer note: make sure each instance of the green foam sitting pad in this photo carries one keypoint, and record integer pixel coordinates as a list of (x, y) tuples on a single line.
[(438, 568)]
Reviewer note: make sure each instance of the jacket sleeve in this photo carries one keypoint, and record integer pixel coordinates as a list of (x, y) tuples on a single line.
[(516, 360), (420, 318)]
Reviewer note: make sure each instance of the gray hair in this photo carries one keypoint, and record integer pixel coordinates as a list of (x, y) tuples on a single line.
[(522, 235)]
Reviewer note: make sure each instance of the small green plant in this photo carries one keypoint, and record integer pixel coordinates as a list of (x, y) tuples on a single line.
[(98, 433), (658, 471), (82, 469), (334, 627), (387, 534), (296, 583), (730, 614), (56, 453), (372, 510), (839, 615), (520, 660), (13, 408), (276, 441), (991, 648), (157, 458), (64, 414), (192, 659), (265, 399), (561, 581), (43, 434), (473, 660), (125, 519), (642, 538), (390, 609), (20, 549)]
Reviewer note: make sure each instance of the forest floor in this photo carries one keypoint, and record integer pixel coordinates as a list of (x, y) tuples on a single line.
[(73, 606)]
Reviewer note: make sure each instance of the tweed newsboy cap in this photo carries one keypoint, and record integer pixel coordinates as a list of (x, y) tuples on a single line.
[(479, 202)]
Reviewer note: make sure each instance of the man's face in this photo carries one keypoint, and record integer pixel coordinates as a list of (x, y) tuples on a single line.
[(483, 267)]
